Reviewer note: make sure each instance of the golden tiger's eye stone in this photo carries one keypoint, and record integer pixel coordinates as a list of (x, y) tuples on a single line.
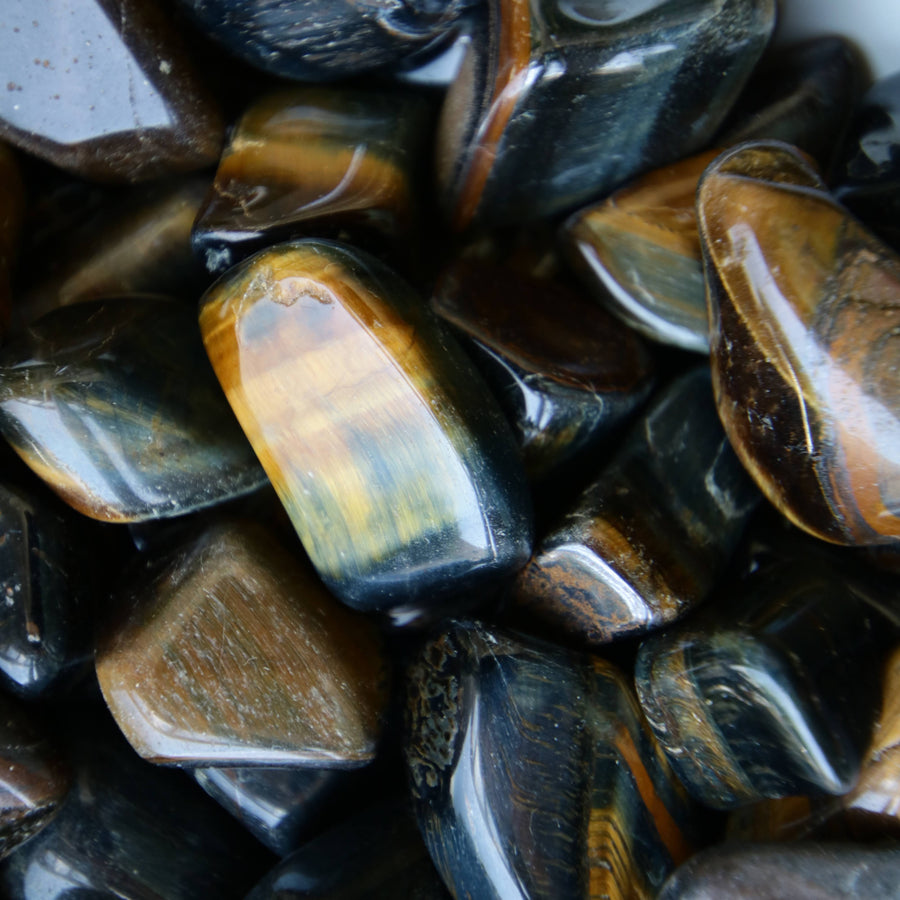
[(396, 468), (236, 654), (320, 162), (805, 340)]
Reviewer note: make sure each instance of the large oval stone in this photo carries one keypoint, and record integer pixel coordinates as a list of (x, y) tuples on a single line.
[(805, 340), (395, 465)]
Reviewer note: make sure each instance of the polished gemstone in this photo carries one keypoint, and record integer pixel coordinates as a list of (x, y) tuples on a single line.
[(868, 181), (45, 637), (280, 807), (321, 40), (647, 539), (792, 872), (772, 691), (534, 774), (398, 471), (620, 87), (566, 373), (114, 405), (805, 340), (318, 162), (638, 252), (33, 777), (237, 654), (130, 830), (136, 243), (104, 89), (376, 855), (12, 211)]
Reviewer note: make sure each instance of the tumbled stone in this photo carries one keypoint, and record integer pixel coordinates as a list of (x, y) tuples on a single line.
[(114, 405), (621, 88), (772, 690), (638, 252), (804, 319), (566, 373), (534, 774), (137, 243), (316, 162), (797, 871), (377, 855), (647, 539), (395, 466), (130, 830), (322, 40), (104, 89), (235, 654), (45, 624), (12, 211), (33, 777), (278, 806)]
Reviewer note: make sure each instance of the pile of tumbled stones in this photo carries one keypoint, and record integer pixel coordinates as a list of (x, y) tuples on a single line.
[(518, 518)]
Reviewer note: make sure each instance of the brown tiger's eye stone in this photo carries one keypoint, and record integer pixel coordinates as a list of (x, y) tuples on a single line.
[(805, 340), (104, 89), (565, 372), (318, 162), (236, 654), (398, 471)]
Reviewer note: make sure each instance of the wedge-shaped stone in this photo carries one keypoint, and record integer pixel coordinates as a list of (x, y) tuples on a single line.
[(396, 467), (236, 654)]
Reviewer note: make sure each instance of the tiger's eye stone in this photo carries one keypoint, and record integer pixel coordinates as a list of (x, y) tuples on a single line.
[(236, 654), (376, 855), (797, 871), (138, 243), (638, 252), (804, 319), (114, 405), (396, 468), (621, 88), (44, 623), (534, 774), (104, 89), (318, 162), (323, 40), (565, 372), (33, 778), (646, 541), (12, 211), (771, 691)]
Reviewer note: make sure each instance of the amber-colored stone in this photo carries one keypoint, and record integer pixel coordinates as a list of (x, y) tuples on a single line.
[(236, 654), (396, 468), (805, 319)]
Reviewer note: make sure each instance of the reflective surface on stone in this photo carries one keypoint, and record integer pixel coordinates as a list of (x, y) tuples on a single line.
[(868, 181), (803, 94), (138, 243), (12, 211), (805, 317), (620, 88), (565, 372), (638, 252), (103, 88), (398, 472), (319, 162), (646, 541), (321, 40), (534, 775), (236, 654), (114, 405), (376, 855), (773, 689), (33, 778), (132, 831), (44, 620), (279, 807), (796, 871)]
